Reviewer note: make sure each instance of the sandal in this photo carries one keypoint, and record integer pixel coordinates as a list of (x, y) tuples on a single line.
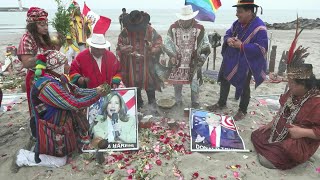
[(239, 116), (215, 107)]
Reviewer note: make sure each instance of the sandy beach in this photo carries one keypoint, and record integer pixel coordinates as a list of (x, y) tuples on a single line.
[(14, 132)]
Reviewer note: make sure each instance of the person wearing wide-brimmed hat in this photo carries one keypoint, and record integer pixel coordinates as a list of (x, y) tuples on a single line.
[(244, 53), (293, 136), (95, 65), (193, 49), (35, 41), (54, 102), (139, 47)]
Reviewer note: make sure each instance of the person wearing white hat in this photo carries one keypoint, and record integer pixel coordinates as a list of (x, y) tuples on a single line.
[(95, 65), (193, 49)]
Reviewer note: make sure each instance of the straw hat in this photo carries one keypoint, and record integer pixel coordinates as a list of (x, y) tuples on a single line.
[(187, 13), (98, 41)]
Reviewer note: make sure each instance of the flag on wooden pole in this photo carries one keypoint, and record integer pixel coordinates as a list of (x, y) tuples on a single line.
[(206, 8)]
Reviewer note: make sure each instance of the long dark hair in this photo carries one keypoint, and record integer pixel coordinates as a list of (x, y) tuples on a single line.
[(123, 116), (310, 83), (33, 30)]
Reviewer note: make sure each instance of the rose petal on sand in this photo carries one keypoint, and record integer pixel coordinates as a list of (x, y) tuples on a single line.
[(176, 174), (212, 178), (158, 162), (131, 171), (111, 171), (156, 148), (318, 169), (148, 167), (236, 174), (195, 175)]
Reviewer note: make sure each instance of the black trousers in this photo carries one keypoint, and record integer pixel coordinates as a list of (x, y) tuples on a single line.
[(151, 97), (245, 96)]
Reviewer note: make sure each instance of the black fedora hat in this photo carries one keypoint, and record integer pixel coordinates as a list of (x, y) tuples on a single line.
[(246, 3), (136, 21)]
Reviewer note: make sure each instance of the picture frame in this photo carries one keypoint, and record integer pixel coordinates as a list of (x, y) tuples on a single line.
[(211, 132), (114, 118)]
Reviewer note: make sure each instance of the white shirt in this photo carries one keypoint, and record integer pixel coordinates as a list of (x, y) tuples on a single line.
[(71, 54), (98, 60)]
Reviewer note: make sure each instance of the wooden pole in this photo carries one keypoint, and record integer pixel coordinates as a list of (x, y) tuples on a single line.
[(214, 57), (268, 54), (272, 59)]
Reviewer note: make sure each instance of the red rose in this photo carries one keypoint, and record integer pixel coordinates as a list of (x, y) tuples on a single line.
[(158, 162)]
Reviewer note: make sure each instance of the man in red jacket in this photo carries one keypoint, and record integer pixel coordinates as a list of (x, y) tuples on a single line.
[(95, 65)]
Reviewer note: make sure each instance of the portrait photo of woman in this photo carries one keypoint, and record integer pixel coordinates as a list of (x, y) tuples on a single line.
[(114, 123)]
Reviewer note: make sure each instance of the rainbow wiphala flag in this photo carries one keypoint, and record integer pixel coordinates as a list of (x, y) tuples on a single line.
[(207, 8)]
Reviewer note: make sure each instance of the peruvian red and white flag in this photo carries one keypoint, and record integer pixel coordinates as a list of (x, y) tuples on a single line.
[(99, 24)]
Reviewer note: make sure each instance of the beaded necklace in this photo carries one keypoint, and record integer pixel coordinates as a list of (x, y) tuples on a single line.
[(294, 108)]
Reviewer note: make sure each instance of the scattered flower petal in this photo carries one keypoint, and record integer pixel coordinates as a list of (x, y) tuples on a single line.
[(195, 175), (111, 171), (158, 162), (148, 167), (236, 174), (131, 171)]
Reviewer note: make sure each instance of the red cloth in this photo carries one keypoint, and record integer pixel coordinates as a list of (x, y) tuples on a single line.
[(291, 152), (29, 81), (213, 136), (86, 66)]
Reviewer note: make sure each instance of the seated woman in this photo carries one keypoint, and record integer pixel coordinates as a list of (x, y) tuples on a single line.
[(54, 103), (115, 125), (293, 136)]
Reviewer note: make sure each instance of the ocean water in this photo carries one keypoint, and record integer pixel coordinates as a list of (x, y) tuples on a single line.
[(13, 22)]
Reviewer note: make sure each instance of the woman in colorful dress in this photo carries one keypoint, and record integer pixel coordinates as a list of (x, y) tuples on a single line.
[(35, 41)]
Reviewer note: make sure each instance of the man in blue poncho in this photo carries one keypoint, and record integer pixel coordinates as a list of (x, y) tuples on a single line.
[(244, 55)]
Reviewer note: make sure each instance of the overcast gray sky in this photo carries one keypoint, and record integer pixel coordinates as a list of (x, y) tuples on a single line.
[(164, 4)]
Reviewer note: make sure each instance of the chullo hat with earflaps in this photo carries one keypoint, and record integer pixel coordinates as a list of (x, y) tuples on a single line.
[(296, 68)]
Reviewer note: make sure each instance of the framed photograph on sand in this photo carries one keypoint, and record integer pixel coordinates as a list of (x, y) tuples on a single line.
[(114, 122), (214, 132)]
